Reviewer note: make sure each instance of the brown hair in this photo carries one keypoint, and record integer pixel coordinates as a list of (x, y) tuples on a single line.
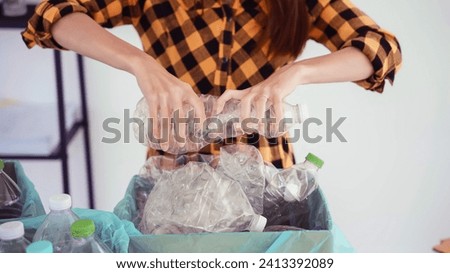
[(286, 28)]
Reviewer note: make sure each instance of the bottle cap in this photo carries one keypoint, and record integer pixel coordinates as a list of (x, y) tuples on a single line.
[(11, 230), (60, 202), (291, 192), (315, 160), (2, 164), (82, 228), (258, 223), (40, 247)]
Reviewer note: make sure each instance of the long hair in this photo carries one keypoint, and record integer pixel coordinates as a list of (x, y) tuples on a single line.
[(286, 28)]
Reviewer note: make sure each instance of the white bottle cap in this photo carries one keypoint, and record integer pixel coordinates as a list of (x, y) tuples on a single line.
[(60, 202), (11, 230), (291, 192), (258, 223)]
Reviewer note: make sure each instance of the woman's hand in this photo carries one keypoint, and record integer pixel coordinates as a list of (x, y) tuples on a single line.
[(166, 94), (269, 92), (163, 92)]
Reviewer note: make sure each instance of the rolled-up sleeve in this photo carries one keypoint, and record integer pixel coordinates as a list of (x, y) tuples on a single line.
[(108, 13), (338, 24)]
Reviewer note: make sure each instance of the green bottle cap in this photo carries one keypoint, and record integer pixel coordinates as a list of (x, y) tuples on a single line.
[(2, 164), (315, 160), (82, 228)]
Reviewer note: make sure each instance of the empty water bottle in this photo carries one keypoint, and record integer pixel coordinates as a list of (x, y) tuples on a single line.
[(84, 240), (244, 164), (153, 169), (56, 226), (195, 199), (228, 123), (225, 124), (40, 247), (10, 204), (290, 185), (12, 238), (192, 142)]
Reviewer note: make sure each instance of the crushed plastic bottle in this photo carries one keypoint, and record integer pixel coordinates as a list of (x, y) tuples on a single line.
[(40, 247), (12, 238), (153, 169), (217, 126), (245, 165), (155, 166), (56, 225), (294, 184), (194, 199), (84, 240), (10, 204), (227, 123)]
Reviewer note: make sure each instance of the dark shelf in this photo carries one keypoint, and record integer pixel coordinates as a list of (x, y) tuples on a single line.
[(18, 21), (56, 154), (60, 153)]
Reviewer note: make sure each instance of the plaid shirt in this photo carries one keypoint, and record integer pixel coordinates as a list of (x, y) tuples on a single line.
[(211, 47)]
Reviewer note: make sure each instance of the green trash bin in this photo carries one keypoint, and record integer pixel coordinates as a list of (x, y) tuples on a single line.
[(319, 234)]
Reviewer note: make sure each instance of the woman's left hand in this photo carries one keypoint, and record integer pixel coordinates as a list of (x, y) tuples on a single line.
[(271, 91)]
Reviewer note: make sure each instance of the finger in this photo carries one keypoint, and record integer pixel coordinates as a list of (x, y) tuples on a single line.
[(153, 121), (245, 109), (260, 111), (179, 123), (199, 108), (279, 114), (165, 124), (224, 98)]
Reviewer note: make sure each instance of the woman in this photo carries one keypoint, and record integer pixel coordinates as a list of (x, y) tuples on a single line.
[(221, 46)]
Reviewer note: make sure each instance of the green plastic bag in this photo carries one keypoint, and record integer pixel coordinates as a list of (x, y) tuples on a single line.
[(32, 204), (312, 215)]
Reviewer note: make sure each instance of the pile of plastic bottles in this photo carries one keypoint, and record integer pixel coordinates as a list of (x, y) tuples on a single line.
[(61, 232), (236, 191)]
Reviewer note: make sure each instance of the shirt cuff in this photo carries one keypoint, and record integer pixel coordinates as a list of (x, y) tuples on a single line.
[(383, 55), (38, 30)]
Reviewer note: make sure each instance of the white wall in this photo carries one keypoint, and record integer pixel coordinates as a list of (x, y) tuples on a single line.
[(387, 187)]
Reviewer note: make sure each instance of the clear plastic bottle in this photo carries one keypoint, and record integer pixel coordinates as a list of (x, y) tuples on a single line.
[(10, 204), (12, 238), (40, 247), (245, 165), (218, 126), (56, 226), (228, 124), (290, 185), (84, 240), (195, 199)]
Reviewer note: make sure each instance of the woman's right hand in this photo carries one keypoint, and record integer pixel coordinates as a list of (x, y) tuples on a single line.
[(163, 92), (166, 95)]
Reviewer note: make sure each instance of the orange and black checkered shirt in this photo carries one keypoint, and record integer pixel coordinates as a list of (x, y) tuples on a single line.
[(212, 46)]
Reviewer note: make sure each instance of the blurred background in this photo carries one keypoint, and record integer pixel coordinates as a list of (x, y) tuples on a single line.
[(387, 187)]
